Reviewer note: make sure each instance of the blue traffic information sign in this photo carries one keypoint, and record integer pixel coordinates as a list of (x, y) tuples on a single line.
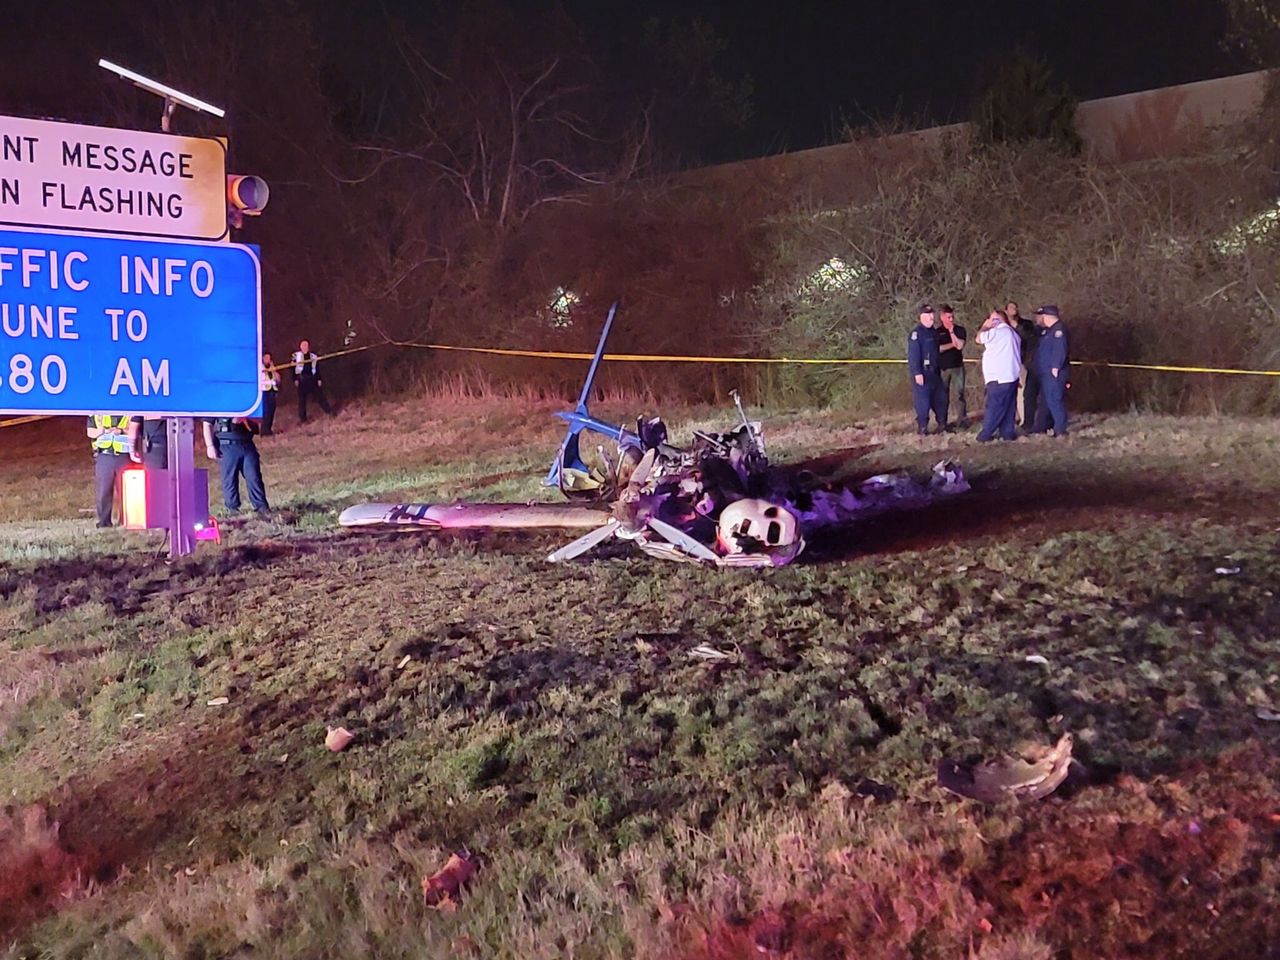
[(93, 323)]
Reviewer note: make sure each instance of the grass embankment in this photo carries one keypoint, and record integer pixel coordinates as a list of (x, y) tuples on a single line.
[(626, 798)]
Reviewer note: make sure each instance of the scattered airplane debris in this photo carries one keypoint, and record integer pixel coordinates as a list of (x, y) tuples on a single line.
[(443, 889), (1034, 775), (717, 501), (338, 739)]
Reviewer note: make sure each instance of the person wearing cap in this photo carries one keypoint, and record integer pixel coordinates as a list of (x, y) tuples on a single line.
[(928, 392), (1001, 366), (1053, 360), (951, 337), (1029, 393)]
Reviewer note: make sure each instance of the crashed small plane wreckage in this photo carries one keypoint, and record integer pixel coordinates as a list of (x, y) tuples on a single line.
[(717, 501)]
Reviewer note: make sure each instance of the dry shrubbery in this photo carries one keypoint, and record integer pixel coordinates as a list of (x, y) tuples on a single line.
[(1170, 261), (680, 260), (1173, 261)]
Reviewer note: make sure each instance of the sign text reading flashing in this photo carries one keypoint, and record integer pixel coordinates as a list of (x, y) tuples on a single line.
[(93, 324)]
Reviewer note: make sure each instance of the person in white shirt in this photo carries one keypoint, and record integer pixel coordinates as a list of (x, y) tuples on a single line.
[(269, 382), (1001, 370)]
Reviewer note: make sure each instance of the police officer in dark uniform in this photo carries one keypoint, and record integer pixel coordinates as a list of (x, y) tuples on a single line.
[(1029, 399), (229, 440), (149, 442), (110, 436), (928, 392), (1053, 362)]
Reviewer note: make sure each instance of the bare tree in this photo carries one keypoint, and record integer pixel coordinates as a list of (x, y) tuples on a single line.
[(507, 124)]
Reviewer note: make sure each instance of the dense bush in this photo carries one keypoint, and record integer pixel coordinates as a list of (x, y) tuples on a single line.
[(1166, 262), (1174, 261)]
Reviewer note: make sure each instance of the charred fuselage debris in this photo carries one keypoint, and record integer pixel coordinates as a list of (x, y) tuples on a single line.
[(717, 501)]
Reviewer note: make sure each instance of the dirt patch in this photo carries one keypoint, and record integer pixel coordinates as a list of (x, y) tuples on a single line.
[(1177, 866), (114, 817)]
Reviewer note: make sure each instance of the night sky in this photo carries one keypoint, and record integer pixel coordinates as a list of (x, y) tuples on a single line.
[(813, 63), (816, 61)]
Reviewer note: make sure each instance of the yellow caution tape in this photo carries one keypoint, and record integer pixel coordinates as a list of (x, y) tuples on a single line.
[(676, 358), (18, 421), (834, 361), (326, 356), (638, 357), (1165, 368)]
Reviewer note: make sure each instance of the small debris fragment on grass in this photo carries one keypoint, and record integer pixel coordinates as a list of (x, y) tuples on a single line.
[(1266, 713), (1034, 775), (706, 652), (1087, 588), (769, 933), (1036, 658), (337, 739), (443, 889), (217, 702), (404, 663), (1226, 571)]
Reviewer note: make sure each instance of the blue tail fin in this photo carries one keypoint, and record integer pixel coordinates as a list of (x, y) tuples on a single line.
[(580, 418)]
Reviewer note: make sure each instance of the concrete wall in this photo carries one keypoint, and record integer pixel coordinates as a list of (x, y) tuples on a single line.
[(1170, 121)]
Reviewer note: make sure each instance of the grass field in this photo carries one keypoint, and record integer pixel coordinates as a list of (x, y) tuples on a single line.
[(624, 798)]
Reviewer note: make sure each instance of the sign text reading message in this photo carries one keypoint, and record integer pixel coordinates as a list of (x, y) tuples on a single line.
[(69, 176)]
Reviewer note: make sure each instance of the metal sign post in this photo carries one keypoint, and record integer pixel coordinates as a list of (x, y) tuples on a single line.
[(182, 495), (100, 322)]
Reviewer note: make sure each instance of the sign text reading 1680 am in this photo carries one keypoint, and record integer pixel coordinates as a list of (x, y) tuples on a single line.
[(102, 324)]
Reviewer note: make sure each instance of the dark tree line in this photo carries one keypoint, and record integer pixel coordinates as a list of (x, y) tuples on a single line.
[(409, 147)]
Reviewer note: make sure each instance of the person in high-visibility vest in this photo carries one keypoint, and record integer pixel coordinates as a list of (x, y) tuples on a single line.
[(111, 446), (306, 377), (269, 382)]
